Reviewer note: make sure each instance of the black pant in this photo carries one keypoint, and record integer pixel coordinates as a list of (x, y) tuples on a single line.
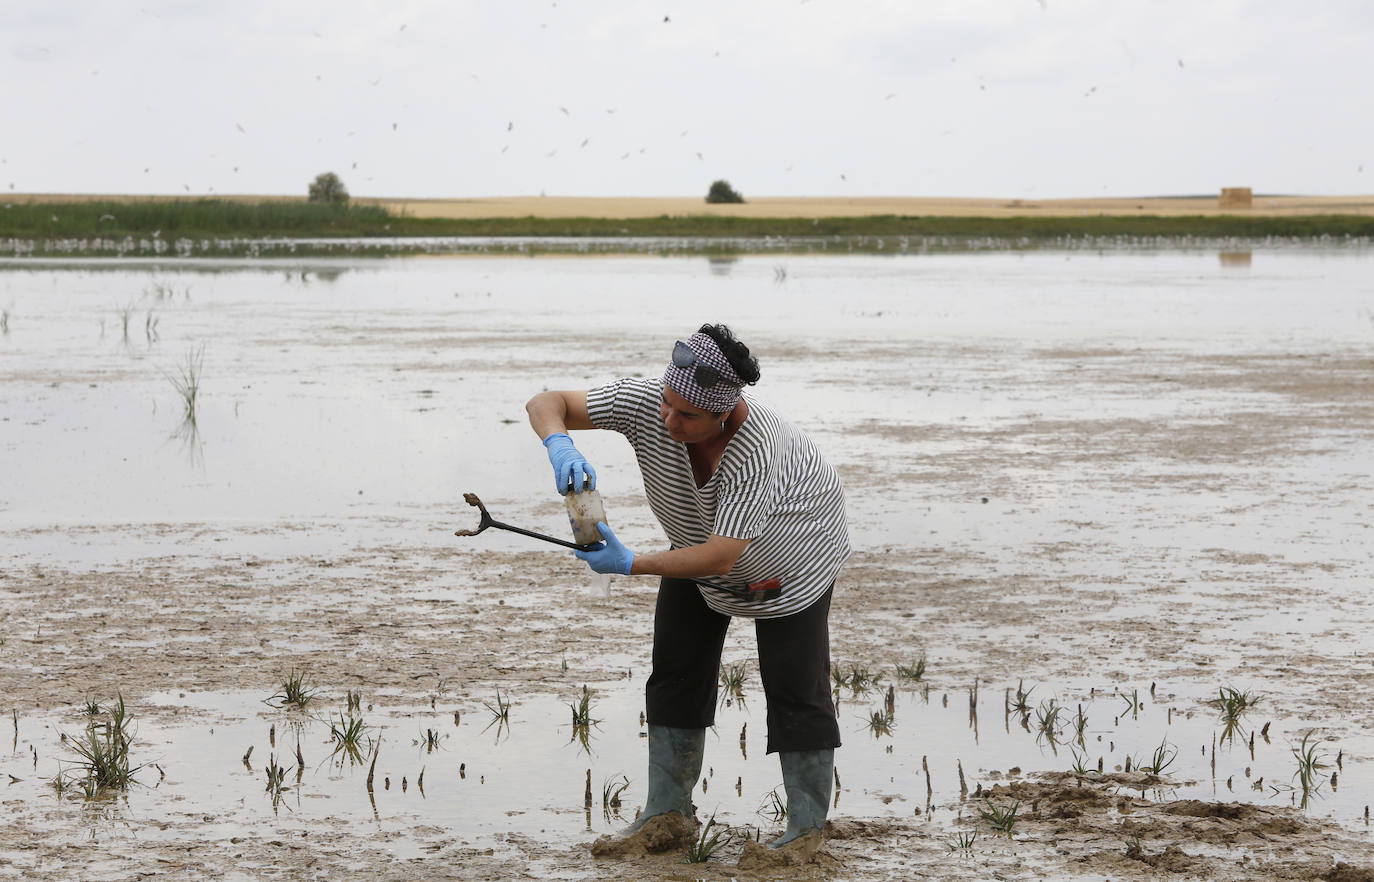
[(794, 662)]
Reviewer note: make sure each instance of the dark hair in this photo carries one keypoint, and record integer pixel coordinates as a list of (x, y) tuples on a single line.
[(735, 352)]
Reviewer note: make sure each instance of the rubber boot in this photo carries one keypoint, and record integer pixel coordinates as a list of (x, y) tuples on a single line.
[(668, 820), (806, 776)]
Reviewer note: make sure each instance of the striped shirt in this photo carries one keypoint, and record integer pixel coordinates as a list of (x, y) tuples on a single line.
[(772, 487)]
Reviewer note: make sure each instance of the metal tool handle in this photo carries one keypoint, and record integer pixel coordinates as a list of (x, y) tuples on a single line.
[(533, 535), (488, 521)]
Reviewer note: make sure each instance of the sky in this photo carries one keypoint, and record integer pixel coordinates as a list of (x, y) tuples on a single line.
[(471, 98)]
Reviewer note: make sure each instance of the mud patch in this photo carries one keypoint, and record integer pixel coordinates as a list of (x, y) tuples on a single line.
[(1171, 860), (662, 833), (802, 850)]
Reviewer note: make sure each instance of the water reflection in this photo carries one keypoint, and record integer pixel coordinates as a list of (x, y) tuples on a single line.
[(1235, 258), (187, 436), (721, 265)]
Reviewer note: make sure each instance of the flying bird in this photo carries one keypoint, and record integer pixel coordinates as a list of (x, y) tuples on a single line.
[(240, 128)]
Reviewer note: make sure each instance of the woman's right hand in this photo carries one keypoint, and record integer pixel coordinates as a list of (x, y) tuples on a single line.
[(570, 467)]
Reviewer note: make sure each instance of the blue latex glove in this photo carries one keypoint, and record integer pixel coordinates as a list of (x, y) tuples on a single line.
[(569, 466), (609, 556)]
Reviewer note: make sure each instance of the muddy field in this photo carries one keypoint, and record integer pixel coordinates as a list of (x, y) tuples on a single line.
[(1101, 501)]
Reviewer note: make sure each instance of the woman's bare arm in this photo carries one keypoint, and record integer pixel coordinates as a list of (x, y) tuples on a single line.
[(558, 411)]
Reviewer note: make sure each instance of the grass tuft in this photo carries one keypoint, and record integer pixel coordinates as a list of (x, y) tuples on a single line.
[(1048, 725), (582, 710), (914, 671), (711, 837), (732, 678), (276, 781), (1080, 728), (880, 722), (1231, 704), (1002, 818), (1161, 759), (1021, 706), (102, 752), (347, 736), (582, 721), (611, 789), (773, 808), (858, 679), (1311, 765), (294, 691), (186, 382)]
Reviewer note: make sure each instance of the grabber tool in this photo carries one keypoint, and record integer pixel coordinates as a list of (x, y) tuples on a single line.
[(488, 521)]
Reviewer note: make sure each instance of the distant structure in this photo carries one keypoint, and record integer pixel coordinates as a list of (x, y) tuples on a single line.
[(1235, 197)]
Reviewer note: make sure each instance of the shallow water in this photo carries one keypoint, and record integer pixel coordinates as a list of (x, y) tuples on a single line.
[(337, 389), (483, 780)]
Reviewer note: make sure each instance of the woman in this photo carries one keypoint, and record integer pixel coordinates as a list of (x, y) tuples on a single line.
[(755, 521)]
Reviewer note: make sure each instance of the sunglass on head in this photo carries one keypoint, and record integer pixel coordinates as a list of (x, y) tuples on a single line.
[(705, 375)]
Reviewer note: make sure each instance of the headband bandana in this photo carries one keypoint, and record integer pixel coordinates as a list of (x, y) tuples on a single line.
[(717, 398)]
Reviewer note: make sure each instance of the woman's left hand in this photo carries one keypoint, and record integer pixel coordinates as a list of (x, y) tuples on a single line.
[(609, 556)]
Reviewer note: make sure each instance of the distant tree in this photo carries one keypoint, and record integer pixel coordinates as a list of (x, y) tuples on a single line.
[(721, 191), (327, 188)]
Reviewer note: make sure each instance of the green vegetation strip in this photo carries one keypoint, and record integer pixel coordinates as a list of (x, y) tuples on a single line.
[(199, 218)]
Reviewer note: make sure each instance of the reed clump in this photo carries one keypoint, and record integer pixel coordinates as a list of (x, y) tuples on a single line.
[(914, 671), (347, 734), (186, 381), (1312, 764), (102, 750), (1231, 705), (732, 678), (294, 691)]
